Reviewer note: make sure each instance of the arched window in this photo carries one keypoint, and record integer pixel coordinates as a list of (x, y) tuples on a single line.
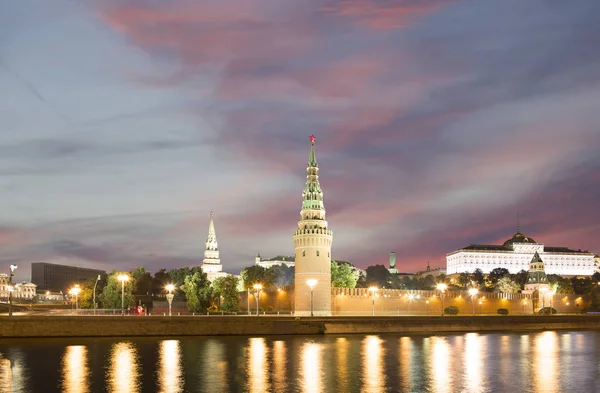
[(317, 252), (303, 253)]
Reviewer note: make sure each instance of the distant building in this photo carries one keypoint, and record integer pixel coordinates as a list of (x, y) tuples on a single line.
[(392, 269), (515, 255), (537, 283), (275, 261), (429, 271), (211, 265), (20, 290), (53, 277), (597, 263)]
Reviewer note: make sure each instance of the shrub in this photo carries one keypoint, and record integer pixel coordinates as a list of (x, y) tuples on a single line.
[(451, 310), (502, 311), (547, 311)]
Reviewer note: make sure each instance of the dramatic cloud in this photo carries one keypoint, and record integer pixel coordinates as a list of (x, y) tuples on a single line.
[(437, 122)]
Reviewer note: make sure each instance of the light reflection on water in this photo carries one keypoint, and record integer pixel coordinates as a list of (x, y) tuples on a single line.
[(546, 362)]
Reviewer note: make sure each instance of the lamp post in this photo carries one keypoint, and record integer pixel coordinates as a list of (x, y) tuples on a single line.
[(75, 291), (170, 296), (10, 288), (95, 306), (473, 292), (257, 288), (442, 288), (373, 290), (311, 283), (123, 278)]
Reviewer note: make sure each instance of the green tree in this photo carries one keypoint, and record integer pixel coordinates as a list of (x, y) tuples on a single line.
[(160, 280), (279, 275), (143, 281), (86, 295), (257, 275), (464, 279), (506, 285), (379, 276), (520, 278), (111, 294), (198, 292), (426, 283), (496, 274), (477, 277), (343, 275), (226, 287)]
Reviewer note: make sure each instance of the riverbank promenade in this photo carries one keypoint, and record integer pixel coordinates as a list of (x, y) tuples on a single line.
[(122, 326)]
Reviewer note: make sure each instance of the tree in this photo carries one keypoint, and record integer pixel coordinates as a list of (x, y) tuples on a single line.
[(464, 279), (86, 295), (379, 276), (426, 283), (496, 274), (343, 275), (198, 291), (477, 277), (279, 275), (506, 285), (520, 278), (143, 281), (257, 275), (226, 287), (111, 294), (160, 280)]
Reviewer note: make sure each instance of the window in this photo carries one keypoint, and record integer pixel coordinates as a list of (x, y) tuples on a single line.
[(303, 253), (317, 252)]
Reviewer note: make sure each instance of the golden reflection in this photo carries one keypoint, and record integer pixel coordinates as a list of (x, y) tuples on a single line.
[(124, 370), (75, 369), (169, 367), (341, 349), (440, 364), (406, 350), (372, 356), (258, 366), (279, 360), (311, 368), (473, 362), (6, 384), (214, 367), (545, 362)]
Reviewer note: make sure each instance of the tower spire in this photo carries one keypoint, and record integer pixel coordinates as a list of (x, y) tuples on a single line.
[(212, 246)]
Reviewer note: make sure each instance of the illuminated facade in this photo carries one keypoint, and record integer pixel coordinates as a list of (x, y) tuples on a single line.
[(275, 261), (515, 255), (20, 291), (211, 265), (312, 243)]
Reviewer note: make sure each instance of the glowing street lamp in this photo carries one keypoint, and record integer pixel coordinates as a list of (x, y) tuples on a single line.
[(473, 292), (311, 283), (94, 300), (170, 288), (10, 288), (75, 292), (442, 288), (123, 278), (257, 288), (373, 290)]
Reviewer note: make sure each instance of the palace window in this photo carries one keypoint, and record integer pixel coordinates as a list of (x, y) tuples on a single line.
[(317, 252)]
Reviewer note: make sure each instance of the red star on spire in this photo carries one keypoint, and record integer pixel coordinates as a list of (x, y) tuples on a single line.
[(312, 139)]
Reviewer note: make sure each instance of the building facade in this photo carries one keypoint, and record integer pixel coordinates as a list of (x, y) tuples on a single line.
[(515, 255), (279, 260), (312, 245), (20, 290), (211, 265), (53, 277), (392, 269)]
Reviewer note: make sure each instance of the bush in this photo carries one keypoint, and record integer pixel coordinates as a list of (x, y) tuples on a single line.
[(502, 311), (547, 311), (451, 310)]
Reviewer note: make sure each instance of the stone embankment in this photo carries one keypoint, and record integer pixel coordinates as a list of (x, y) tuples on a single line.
[(119, 326)]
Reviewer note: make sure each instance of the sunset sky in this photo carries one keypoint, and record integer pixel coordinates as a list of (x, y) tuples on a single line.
[(124, 123)]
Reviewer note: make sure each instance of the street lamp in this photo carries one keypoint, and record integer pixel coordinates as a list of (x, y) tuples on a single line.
[(442, 288), (123, 278), (75, 291), (10, 288), (473, 292), (95, 306), (170, 296), (311, 283), (373, 290), (257, 288)]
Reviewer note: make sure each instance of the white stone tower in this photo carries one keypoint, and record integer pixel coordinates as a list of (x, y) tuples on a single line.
[(211, 265), (312, 243)]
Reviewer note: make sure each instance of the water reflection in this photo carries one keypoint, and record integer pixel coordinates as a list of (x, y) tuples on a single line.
[(75, 370), (311, 368), (440, 364), (169, 367), (341, 349), (213, 374), (406, 350), (258, 366), (545, 362), (124, 370), (279, 371), (473, 362), (372, 360), (5, 375)]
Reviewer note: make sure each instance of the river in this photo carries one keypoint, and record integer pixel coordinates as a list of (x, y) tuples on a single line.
[(498, 362)]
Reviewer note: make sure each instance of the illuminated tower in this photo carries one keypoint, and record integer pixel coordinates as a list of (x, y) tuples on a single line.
[(312, 243), (211, 265)]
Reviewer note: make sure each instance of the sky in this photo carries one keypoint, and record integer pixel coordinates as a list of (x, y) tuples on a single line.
[(123, 123)]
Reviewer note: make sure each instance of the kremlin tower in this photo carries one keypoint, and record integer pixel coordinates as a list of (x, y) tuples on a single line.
[(211, 265), (312, 243)]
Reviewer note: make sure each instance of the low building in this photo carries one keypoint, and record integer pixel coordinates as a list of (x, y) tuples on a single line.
[(279, 260), (435, 272), (515, 255), (20, 290), (54, 277)]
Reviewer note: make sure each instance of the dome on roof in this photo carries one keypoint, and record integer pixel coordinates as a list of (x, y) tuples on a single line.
[(518, 238)]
